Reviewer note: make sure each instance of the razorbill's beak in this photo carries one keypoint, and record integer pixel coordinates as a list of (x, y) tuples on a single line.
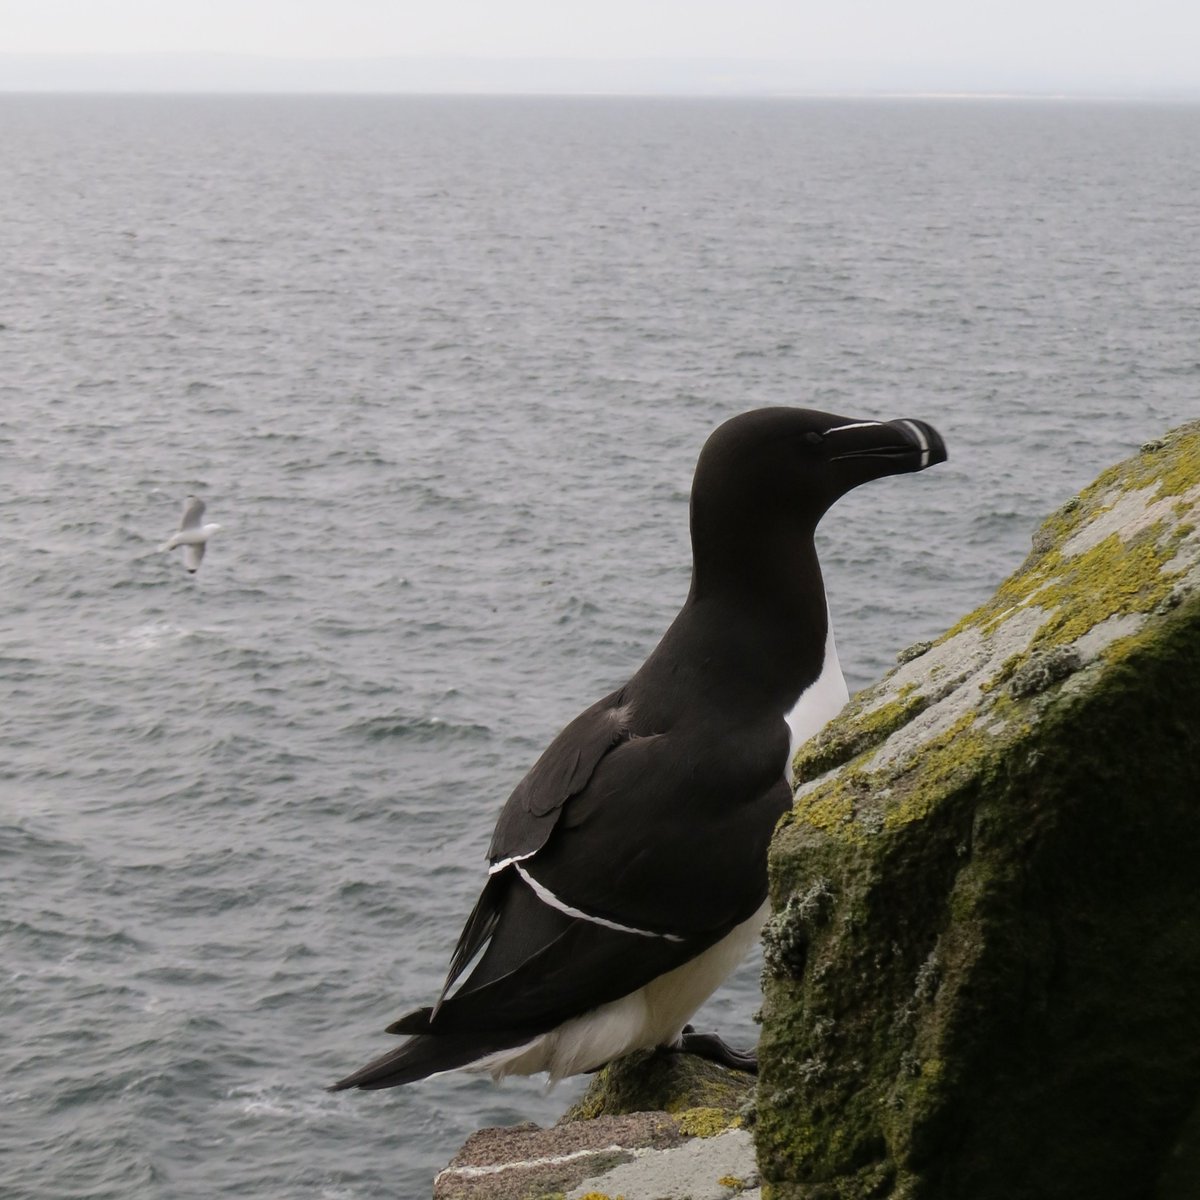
[(872, 449)]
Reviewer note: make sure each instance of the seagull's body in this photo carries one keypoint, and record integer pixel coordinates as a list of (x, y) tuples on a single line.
[(628, 868), (191, 535)]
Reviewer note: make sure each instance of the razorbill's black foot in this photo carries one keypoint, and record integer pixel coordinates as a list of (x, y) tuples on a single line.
[(716, 1049), (629, 867)]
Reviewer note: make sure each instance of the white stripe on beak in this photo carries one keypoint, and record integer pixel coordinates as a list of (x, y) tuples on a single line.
[(922, 439)]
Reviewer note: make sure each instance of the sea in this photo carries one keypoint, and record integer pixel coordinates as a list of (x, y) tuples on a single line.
[(440, 369)]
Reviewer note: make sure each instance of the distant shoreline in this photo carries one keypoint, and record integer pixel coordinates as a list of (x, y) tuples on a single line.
[(1064, 98), (236, 74)]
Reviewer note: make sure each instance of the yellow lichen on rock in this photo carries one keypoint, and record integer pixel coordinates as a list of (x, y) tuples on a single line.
[(705, 1122)]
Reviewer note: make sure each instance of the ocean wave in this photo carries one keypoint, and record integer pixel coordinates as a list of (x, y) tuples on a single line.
[(416, 729), (283, 1101), (211, 779), (148, 636)]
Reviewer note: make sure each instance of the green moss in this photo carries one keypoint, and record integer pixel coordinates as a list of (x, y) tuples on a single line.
[(830, 809), (1008, 668), (853, 805), (864, 728), (661, 1081), (946, 761)]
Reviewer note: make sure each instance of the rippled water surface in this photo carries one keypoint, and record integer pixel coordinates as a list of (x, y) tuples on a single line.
[(441, 369)]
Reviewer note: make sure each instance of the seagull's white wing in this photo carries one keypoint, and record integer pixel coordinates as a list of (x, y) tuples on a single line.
[(193, 510), (192, 555)]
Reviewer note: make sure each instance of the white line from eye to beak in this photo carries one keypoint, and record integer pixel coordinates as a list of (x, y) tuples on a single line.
[(855, 425)]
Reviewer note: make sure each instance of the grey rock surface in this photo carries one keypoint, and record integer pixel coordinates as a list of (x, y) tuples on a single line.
[(528, 1161), (715, 1168)]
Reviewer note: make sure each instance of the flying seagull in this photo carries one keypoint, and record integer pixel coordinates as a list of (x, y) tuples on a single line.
[(191, 535), (629, 867)]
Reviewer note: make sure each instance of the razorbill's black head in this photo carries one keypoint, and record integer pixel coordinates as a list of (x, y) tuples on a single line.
[(765, 478), (628, 867)]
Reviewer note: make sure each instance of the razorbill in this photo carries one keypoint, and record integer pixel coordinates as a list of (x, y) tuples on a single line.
[(191, 535), (629, 867)]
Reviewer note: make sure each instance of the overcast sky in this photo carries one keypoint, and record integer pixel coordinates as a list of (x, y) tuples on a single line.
[(1144, 43)]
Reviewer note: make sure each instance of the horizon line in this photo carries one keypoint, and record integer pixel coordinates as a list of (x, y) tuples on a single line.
[(1057, 95), (217, 72)]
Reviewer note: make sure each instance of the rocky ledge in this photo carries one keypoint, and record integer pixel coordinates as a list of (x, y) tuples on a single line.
[(983, 968), (650, 1127)]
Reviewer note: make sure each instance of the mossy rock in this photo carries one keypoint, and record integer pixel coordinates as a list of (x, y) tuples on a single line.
[(983, 972), (705, 1098)]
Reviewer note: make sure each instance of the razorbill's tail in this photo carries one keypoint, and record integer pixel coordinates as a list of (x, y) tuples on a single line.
[(420, 1057)]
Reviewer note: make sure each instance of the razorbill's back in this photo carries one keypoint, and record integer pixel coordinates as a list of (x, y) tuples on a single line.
[(629, 867), (191, 535)]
